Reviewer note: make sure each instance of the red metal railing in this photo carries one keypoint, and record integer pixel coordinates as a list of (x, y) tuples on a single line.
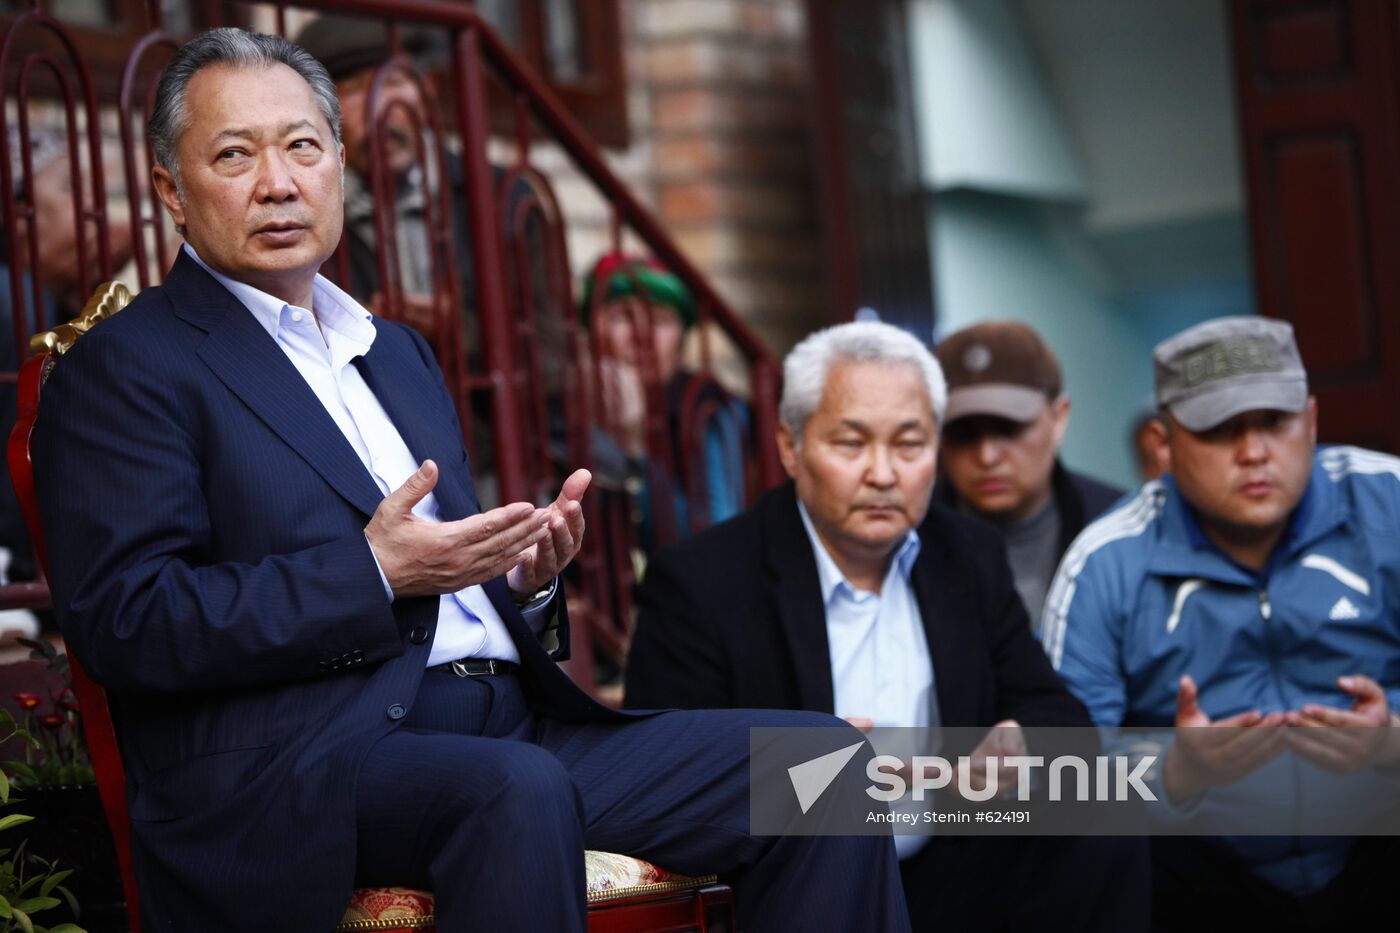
[(528, 369)]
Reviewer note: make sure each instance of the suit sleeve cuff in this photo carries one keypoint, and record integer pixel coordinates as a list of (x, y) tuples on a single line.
[(534, 610)]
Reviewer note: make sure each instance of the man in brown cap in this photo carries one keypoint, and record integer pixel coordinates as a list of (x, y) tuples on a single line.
[(1007, 415)]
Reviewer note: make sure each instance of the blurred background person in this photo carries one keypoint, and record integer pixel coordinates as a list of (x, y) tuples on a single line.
[(1007, 415), (675, 430), (60, 298), (1148, 454), (353, 49)]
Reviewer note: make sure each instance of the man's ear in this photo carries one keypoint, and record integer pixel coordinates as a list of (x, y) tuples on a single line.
[(1159, 434), (169, 194), (1059, 418), (787, 450)]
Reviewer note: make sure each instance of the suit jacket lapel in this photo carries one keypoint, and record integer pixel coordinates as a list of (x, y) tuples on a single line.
[(247, 360), (797, 592), (943, 599)]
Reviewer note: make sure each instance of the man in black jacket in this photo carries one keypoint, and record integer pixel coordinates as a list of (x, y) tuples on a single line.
[(844, 592), (1007, 415)]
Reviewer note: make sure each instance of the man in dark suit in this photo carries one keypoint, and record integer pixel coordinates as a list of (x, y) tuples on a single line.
[(844, 592), (325, 664)]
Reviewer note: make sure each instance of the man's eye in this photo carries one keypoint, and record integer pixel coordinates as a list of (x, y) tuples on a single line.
[(304, 144), (228, 154), (849, 443)]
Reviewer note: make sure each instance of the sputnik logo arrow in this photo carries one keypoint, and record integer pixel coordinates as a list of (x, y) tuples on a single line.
[(811, 778)]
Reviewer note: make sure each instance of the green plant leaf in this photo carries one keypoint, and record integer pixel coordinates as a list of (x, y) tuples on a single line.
[(72, 901), (23, 920), (5, 910), (67, 928), (21, 770), (54, 880), (4, 787), (33, 905), (14, 819)]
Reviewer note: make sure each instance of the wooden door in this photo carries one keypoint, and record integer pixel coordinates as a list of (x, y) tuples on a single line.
[(874, 210), (1319, 93)]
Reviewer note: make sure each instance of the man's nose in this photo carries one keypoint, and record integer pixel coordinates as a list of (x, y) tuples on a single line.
[(881, 470), (988, 450), (275, 181), (1252, 446)]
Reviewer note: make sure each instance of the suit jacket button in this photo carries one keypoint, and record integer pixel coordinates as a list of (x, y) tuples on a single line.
[(418, 635), (337, 664), (358, 657), (397, 711)]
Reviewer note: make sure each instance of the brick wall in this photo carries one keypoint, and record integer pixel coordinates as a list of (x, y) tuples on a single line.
[(728, 132)]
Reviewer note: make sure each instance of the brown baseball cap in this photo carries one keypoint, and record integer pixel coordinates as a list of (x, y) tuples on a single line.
[(999, 368)]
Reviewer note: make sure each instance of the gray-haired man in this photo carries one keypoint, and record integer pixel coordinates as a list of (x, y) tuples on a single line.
[(845, 592)]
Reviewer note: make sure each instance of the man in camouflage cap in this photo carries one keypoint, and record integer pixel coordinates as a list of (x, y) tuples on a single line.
[(1252, 588)]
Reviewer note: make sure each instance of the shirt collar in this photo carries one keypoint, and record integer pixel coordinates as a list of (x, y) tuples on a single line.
[(830, 576), (335, 310)]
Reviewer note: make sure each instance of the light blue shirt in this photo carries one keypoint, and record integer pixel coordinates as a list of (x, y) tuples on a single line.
[(880, 663), (468, 624)]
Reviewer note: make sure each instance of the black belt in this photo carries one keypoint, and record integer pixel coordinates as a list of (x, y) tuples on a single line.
[(475, 667)]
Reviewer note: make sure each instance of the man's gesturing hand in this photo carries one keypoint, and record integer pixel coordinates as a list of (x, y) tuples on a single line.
[(1202, 757), (1347, 740), (564, 519), (423, 558)]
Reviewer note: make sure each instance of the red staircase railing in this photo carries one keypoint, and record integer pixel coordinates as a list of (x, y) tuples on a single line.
[(531, 375)]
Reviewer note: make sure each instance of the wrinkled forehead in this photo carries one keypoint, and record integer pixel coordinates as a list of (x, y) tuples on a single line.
[(879, 395), (223, 97)]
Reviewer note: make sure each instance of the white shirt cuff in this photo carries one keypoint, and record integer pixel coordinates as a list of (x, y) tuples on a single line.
[(388, 590)]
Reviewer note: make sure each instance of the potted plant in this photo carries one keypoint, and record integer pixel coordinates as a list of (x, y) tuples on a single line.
[(29, 883), (55, 778)]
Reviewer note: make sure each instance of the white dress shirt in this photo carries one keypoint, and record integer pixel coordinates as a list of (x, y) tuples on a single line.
[(880, 663), (468, 624)]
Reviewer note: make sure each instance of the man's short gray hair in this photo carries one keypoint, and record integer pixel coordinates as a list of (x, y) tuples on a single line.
[(806, 368), (236, 48)]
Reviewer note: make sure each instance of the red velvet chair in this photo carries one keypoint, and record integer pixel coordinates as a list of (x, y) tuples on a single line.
[(625, 895)]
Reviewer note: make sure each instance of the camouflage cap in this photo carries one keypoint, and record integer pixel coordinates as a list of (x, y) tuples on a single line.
[(1211, 372)]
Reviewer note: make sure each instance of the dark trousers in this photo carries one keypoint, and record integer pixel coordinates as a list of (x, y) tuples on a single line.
[(1051, 883), (1197, 886), (491, 808)]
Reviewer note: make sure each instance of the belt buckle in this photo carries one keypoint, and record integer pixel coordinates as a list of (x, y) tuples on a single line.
[(461, 670)]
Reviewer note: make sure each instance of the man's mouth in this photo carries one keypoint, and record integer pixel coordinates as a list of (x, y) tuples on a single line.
[(1257, 488), (280, 232)]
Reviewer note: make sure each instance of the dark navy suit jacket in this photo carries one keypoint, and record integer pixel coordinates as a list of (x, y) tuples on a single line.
[(205, 524)]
